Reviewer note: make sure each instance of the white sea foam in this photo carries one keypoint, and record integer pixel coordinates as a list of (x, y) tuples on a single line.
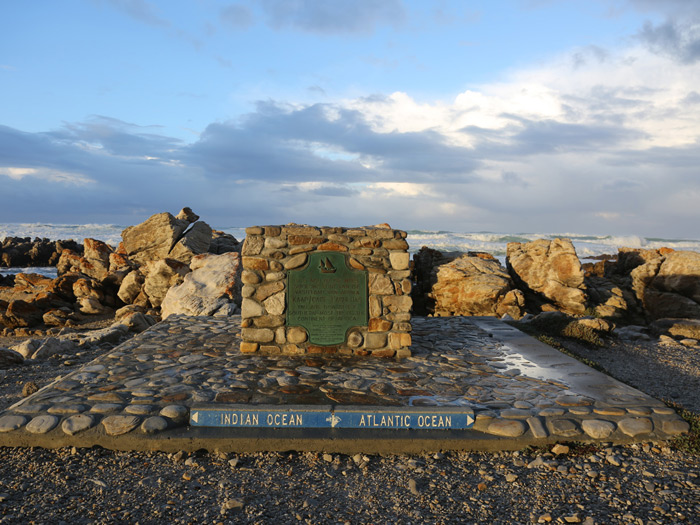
[(494, 243)]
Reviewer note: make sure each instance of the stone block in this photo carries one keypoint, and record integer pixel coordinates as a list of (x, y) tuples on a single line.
[(399, 260), (258, 335)]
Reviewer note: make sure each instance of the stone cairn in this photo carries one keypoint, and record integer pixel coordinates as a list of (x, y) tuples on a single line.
[(271, 254)]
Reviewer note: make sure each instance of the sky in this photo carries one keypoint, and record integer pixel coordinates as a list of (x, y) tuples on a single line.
[(466, 115)]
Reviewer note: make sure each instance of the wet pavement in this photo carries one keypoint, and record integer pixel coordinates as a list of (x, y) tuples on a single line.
[(147, 392)]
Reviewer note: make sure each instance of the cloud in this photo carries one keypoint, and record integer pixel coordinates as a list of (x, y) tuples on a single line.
[(607, 143), (680, 40), (236, 16), (327, 18), (286, 143), (140, 10)]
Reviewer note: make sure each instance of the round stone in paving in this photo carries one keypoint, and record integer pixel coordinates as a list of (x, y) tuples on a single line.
[(639, 411), (105, 408), (515, 413), (77, 423), (118, 425), (597, 428), (573, 401), (633, 426), (551, 412), (154, 424), (67, 409), (175, 412), (506, 428), (42, 424), (664, 410), (8, 423), (563, 427), (140, 410), (674, 427), (610, 411), (94, 368), (579, 411), (31, 409)]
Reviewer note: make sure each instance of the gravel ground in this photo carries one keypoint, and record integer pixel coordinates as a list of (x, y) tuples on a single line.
[(638, 484)]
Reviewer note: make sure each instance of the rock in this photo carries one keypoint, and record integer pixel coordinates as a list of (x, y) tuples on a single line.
[(161, 276), (223, 243), (51, 346), (550, 270), (10, 358), (681, 328), (631, 333), (598, 428), (154, 238), (195, 241), (213, 283), (186, 214), (633, 426), (96, 254), (472, 285), (131, 286), (27, 347), (29, 388), (23, 252), (177, 413), (118, 425), (506, 428), (560, 449), (77, 423), (136, 322), (154, 424), (111, 334), (88, 288), (8, 423), (675, 289), (21, 313), (59, 316), (91, 306), (42, 424)]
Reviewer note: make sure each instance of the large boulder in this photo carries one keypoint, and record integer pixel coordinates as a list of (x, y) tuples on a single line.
[(672, 286), (472, 285), (155, 238), (130, 287), (161, 276), (195, 241), (213, 284), (94, 262), (222, 242), (549, 271)]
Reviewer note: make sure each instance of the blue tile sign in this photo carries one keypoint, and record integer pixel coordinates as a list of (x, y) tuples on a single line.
[(422, 418), (261, 417)]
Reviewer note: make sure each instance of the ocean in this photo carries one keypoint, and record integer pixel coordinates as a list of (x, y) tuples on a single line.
[(587, 246)]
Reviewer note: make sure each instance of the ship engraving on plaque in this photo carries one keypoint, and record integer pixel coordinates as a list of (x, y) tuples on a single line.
[(327, 297)]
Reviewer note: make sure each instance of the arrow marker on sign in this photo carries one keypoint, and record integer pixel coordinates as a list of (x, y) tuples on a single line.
[(470, 420), (195, 417)]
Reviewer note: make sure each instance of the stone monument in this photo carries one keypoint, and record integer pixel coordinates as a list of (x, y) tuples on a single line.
[(309, 289)]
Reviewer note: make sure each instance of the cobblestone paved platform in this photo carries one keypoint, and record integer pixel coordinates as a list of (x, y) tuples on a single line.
[(141, 394)]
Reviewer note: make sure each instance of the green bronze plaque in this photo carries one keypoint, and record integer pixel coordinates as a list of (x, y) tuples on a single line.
[(327, 297)]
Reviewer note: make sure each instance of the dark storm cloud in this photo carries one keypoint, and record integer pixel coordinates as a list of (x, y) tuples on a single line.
[(278, 143), (346, 17), (677, 39)]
